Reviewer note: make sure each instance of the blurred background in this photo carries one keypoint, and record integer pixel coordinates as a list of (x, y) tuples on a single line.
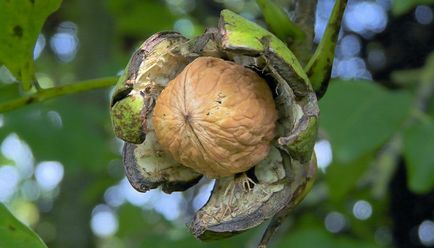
[(60, 164)]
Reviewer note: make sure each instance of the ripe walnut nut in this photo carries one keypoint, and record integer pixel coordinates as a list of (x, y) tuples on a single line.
[(216, 117)]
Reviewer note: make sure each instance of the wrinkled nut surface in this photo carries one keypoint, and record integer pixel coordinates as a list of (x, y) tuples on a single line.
[(216, 117)]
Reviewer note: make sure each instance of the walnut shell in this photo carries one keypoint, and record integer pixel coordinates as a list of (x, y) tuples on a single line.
[(216, 117)]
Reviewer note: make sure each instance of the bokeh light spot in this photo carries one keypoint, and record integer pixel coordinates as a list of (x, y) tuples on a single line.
[(350, 45), (423, 14), (9, 179), (64, 43), (323, 151), (362, 210), (49, 174), (181, 7), (132, 196), (203, 195), (168, 205), (113, 196), (352, 68), (383, 236), (55, 119), (104, 222), (376, 58), (185, 27), (30, 190), (6, 76), (322, 14), (39, 47), (334, 222), (426, 233), (364, 17), (17, 150)]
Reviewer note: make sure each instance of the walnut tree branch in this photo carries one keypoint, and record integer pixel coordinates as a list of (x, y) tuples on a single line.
[(45, 94)]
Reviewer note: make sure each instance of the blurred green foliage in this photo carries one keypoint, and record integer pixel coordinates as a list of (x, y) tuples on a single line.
[(84, 126), (358, 117), (369, 117), (401, 7), (419, 143), (139, 17)]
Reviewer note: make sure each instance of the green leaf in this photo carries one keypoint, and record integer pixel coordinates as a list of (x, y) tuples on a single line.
[(342, 177), (400, 7), (359, 116), (15, 234), (320, 64), (419, 156), (21, 21), (279, 22)]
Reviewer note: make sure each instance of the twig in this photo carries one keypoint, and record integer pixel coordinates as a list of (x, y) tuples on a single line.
[(385, 165), (45, 94), (305, 19), (392, 150), (274, 225)]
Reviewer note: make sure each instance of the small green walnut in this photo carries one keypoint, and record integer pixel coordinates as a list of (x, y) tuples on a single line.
[(127, 118)]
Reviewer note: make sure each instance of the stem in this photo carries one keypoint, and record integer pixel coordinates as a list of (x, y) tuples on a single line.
[(45, 94), (385, 163), (275, 223), (305, 19), (320, 64)]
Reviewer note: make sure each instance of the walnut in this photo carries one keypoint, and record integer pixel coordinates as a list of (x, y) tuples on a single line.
[(216, 117)]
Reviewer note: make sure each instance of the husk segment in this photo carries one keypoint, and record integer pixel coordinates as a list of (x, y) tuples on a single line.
[(158, 60)]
